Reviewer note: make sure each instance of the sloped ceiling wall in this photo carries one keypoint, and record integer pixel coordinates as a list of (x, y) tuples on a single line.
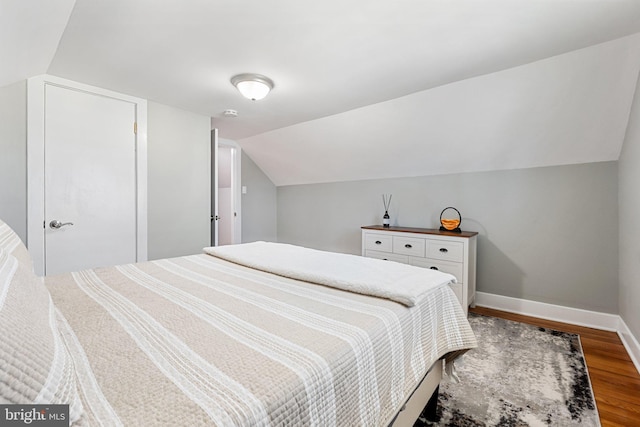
[(568, 109), (325, 57), (397, 90), (29, 35)]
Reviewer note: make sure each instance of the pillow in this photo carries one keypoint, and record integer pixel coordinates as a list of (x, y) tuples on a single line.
[(35, 365), (11, 243)]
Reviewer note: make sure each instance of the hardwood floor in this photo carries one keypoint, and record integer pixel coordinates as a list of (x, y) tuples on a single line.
[(614, 378)]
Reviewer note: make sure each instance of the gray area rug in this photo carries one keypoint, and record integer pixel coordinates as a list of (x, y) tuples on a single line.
[(520, 375)]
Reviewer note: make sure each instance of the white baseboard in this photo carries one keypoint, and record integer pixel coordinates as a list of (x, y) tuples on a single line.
[(558, 313), (630, 343)]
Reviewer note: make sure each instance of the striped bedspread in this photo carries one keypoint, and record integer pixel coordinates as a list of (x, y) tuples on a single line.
[(198, 340)]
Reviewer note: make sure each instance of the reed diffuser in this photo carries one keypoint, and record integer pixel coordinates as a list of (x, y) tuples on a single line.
[(386, 201)]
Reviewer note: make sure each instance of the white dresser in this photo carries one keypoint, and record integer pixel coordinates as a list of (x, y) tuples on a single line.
[(453, 253)]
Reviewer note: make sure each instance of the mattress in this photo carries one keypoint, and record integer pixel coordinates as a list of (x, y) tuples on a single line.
[(199, 340)]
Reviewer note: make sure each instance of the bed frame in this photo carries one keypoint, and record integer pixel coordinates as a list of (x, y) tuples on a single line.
[(425, 395)]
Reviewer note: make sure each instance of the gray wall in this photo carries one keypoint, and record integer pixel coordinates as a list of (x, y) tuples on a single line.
[(629, 187), (259, 208), (13, 157), (546, 234), (179, 188)]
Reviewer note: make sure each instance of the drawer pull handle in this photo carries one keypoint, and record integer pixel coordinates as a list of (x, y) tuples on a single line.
[(444, 250), (378, 242), (408, 246), (433, 268)]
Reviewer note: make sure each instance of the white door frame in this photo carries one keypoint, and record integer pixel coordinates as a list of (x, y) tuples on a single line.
[(214, 188), (36, 158), (236, 193)]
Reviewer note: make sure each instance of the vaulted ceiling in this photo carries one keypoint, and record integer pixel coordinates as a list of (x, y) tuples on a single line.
[(363, 89)]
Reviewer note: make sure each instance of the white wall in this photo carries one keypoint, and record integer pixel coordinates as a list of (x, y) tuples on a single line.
[(568, 109), (30, 33), (545, 234), (629, 199), (179, 189), (13, 157)]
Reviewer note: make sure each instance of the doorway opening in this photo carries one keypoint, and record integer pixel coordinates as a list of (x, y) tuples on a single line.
[(226, 203), (226, 192)]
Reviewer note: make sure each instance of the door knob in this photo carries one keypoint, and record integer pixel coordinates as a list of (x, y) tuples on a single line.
[(57, 224)]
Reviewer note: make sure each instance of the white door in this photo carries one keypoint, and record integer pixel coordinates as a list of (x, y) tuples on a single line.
[(214, 187), (89, 180)]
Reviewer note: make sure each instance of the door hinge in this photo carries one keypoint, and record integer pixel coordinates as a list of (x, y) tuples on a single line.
[(135, 128)]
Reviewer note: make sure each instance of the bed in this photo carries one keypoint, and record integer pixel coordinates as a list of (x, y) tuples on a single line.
[(215, 339)]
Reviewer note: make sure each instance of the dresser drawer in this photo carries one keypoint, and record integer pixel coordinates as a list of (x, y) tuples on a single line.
[(408, 246), (387, 256), (445, 249), (378, 242), (454, 268)]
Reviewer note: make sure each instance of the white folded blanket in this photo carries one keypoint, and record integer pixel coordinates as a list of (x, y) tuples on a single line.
[(403, 283)]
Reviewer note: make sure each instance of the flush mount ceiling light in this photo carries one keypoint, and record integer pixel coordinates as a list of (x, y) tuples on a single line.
[(252, 86)]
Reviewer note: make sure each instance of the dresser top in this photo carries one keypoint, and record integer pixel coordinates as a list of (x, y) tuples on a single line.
[(420, 230)]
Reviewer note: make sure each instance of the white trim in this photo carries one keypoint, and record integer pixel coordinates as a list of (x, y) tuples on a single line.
[(558, 313), (630, 343), (574, 316), (35, 171), (35, 163), (141, 178)]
